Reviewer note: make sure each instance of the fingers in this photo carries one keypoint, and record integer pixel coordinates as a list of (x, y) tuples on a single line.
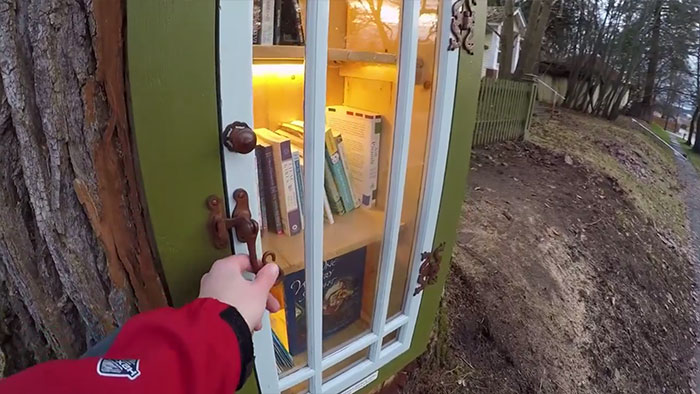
[(240, 262), (266, 277), (272, 305)]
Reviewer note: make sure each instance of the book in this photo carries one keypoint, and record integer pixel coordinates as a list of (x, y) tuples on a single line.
[(267, 22), (339, 176), (290, 211), (327, 212), (332, 193), (277, 22), (290, 30), (272, 207), (299, 180), (344, 159), (259, 154), (290, 131), (294, 130), (342, 297), (257, 21), (361, 133)]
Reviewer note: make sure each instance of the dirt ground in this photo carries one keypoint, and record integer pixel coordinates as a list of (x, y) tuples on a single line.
[(570, 274)]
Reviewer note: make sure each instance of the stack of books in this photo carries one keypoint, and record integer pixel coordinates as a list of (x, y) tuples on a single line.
[(350, 168), (277, 22)]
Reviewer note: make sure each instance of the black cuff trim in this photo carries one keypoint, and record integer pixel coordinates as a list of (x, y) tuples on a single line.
[(245, 341)]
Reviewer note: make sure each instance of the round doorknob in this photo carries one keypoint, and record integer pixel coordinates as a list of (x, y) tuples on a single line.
[(238, 137)]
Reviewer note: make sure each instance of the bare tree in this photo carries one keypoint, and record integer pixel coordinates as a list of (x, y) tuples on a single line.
[(75, 256), (538, 20)]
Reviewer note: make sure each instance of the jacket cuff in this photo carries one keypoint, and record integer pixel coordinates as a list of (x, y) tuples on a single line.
[(245, 341)]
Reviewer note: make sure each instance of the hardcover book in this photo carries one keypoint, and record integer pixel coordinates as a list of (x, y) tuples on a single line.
[(269, 178), (285, 177), (342, 297)]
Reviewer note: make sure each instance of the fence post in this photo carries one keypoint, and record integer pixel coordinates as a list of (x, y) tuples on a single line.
[(531, 107)]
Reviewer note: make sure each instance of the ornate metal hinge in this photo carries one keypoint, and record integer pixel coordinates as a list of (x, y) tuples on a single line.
[(462, 26), (429, 268)]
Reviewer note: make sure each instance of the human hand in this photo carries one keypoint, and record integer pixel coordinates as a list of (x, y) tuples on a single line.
[(225, 282)]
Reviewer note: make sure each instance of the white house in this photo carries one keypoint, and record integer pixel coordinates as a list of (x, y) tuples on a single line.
[(494, 26)]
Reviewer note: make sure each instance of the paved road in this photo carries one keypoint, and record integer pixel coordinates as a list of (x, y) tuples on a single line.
[(690, 181)]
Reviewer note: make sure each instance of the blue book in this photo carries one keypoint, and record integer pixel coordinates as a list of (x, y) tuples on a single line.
[(342, 297), (338, 170)]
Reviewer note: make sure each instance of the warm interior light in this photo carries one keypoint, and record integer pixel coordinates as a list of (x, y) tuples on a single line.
[(279, 70)]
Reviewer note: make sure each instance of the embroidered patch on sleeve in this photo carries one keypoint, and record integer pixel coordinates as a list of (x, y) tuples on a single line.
[(118, 368)]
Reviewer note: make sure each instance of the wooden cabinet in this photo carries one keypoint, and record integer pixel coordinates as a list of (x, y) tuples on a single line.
[(352, 105)]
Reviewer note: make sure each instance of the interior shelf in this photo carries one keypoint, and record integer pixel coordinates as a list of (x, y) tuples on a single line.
[(351, 231), (278, 52)]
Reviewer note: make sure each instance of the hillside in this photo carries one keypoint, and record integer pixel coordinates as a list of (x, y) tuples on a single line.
[(570, 274)]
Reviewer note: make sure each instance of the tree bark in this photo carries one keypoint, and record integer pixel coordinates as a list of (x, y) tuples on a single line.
[(538, 21), (507, 39), (76, 260)]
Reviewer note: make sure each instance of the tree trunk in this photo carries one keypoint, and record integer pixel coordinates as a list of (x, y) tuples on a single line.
[(75, 256), (507, 39), (691, 128), (646, 110), (696, 144), (538, 20)]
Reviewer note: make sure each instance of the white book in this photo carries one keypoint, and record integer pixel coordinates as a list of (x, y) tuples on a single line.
[(361, 133), (267, 30)]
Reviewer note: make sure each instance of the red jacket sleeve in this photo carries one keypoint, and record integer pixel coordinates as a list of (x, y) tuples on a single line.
[(203, 347)]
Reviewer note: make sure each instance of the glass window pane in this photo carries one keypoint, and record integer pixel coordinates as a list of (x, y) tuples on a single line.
[(302, 387), (278, 110), (418, 150), (389, 338), (360, 98), (344, 365)]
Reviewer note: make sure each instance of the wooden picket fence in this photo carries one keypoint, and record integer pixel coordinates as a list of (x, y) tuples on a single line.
[(504, 110)]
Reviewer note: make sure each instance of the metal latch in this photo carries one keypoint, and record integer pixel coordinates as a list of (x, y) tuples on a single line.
[(429, 268), (241, 221)]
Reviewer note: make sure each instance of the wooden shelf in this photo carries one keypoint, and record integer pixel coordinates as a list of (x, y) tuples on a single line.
[(351, 231), (281, 52)]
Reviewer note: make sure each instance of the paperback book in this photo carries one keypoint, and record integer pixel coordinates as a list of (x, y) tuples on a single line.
[(342, 297)]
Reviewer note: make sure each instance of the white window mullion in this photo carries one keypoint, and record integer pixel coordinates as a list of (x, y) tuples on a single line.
[(316, 54), (440, 130), (408, 53)]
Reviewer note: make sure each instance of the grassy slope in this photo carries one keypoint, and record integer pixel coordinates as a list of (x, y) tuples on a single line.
[(613, 149), (663, 134)]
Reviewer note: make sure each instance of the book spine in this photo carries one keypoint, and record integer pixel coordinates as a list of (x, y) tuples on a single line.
[(299, 25), (298, 178), (274, 216), (356, 196), (278, 22), (267, 30), (331, 189), (284, 169), (328, 213), (338, 172), (259, 153), (374, 160)]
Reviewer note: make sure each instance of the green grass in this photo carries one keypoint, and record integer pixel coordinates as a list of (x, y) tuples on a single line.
[(663, 134), (692, 156)]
